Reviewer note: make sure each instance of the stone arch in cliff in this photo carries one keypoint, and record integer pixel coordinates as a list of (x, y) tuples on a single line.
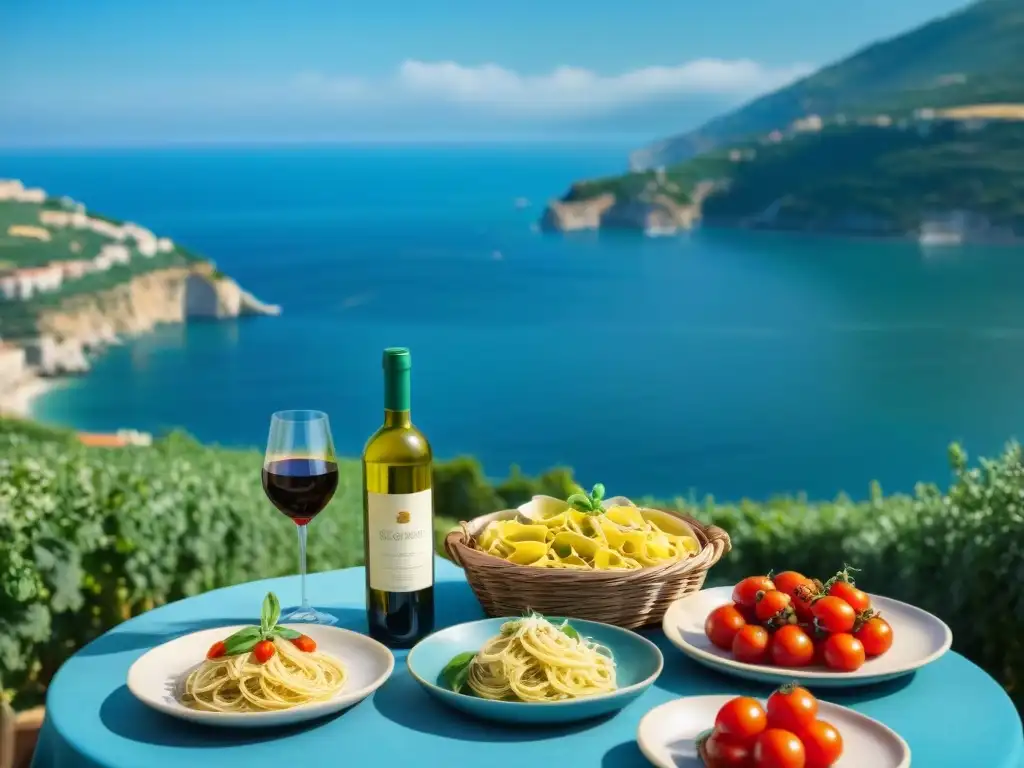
[(201, 299)]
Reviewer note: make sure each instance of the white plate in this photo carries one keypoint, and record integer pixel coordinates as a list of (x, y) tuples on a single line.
[(918, 639), (668, 734), (156, 679)]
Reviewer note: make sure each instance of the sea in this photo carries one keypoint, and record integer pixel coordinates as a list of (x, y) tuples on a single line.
[(738, 364)]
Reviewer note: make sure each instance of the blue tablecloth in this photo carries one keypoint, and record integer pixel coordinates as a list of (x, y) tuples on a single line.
[(951, 713)]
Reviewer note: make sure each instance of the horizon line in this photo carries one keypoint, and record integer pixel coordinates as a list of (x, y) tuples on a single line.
[(324, 142)]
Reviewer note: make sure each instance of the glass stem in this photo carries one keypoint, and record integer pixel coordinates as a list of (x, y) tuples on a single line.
[(302, 565)]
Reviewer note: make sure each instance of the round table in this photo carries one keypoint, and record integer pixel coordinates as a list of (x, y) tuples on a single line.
[(951, 713)]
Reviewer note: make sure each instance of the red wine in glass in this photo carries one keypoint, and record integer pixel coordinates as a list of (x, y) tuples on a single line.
[(300, 475), (300, 487)]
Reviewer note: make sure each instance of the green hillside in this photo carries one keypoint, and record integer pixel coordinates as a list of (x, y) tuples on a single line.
[(880, 179), (856, 178), (972, 56), (65, 244)]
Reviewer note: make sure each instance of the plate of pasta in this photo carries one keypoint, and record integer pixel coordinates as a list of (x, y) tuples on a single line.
[(256, 676), (535, 669)]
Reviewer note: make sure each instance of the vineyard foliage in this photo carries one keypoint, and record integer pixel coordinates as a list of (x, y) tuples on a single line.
[(92, 536)]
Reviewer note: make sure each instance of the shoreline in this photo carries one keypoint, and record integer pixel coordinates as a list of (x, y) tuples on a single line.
[(18, 400)]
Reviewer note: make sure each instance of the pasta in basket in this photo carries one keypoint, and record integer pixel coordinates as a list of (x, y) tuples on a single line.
[(586, 536)]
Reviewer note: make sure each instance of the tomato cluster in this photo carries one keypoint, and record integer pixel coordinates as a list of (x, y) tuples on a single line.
[(791, 620), (263, 650), (785, 734)]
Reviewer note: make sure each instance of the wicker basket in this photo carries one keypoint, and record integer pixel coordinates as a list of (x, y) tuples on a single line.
[(627, 599)]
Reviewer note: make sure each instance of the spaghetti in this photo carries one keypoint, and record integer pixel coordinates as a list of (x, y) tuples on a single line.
[(240, 683), (532, 660)]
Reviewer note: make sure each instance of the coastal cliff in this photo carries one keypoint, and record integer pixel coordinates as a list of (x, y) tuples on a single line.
[(883, 176), (660, 207), (73, 282), (166, 296)]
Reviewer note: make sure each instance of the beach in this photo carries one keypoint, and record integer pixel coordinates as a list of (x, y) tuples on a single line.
[(16, 400)]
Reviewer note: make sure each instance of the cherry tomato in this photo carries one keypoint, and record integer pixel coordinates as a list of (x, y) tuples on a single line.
[(305, 643), (722, 624), (875, 635), (751, 644), (801, 589), (803, 600), (216, 650), (844, 590), (844, 653), (722, 751), (788, 581), (792, 647), (741, 719), (772, 604), (819, 650), (776, 748), (822, 744), (745, 593), (263, 650), (748, 612), (833, 614), (792, 708)]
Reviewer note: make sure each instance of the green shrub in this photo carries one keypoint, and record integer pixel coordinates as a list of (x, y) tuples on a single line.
[(90, 536)]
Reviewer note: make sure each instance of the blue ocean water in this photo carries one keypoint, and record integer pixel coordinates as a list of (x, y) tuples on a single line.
[(732, 363)]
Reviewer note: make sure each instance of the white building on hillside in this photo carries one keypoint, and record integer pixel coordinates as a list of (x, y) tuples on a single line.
[(10, 188), (809, 124), (145, 240), (112, 254), (75, 268), (105, 228), (165, 245), (62, 219), (32, 195), (13, 190), (21, 284)]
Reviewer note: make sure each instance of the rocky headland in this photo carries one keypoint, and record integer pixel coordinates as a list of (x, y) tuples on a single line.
[(76, 283)]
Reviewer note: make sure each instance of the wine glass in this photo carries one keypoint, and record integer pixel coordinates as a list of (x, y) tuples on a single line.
[(300, 475)]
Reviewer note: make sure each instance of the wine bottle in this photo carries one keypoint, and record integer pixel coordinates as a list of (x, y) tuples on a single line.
[(398, 517)]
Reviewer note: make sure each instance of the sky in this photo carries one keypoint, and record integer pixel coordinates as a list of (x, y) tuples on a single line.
[(124, 72)]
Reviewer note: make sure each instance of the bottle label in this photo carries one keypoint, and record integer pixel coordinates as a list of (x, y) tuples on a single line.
[(401, 541)]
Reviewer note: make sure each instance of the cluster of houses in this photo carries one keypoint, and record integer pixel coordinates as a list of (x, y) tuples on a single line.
[(24, 283), (12, 190), (967, 119), (923, 121)]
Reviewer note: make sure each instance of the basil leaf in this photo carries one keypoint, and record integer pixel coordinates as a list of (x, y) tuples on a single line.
[(235, 646), (456, 672), (271, 612), (247, 633), (598, 493), (569, 630), (580, 502), (287, 634)]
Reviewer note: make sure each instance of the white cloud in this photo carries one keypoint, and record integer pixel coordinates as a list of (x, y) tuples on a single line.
[(565, 91)]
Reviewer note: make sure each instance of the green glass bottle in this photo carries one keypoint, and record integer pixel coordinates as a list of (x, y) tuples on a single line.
[(398, 517)]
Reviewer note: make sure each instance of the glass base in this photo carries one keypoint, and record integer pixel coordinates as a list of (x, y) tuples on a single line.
[(307, 616)]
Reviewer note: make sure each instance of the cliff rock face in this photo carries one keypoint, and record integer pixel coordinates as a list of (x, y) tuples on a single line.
[(652, 213), (572, 216), (165, 296)]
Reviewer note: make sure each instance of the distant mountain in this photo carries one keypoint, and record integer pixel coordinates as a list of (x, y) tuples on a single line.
[(973, 56)]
